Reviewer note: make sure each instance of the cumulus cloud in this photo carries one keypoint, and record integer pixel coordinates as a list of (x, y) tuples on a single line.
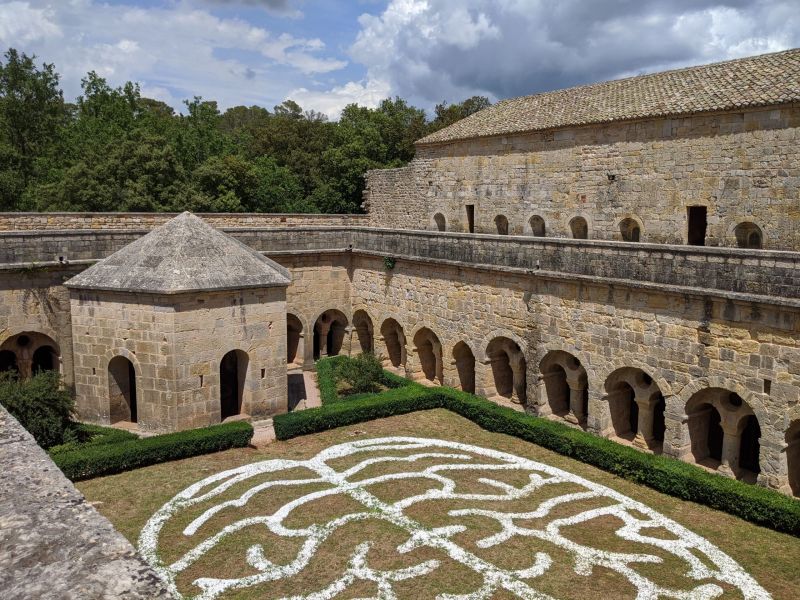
[(434, 50), (332, 101), (278, 6)]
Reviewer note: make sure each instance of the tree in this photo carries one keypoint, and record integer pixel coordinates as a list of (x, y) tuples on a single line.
[(447, 114)]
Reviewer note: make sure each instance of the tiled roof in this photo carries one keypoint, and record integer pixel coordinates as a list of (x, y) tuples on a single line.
[(763, 80), (185, 254)]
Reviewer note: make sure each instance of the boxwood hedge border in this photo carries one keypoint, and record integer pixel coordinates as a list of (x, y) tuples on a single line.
[(670, 476)]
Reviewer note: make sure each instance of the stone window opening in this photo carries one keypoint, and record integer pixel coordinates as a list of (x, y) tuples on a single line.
[(364, 331), (537, 226), (429, 356), (748, 235), (470, 218), (629, 230), (508, 370), (394, 341), (439, 220), (579, 228), (501, 223), (565, 386), (232, 379), (294, 341), (464, 361), (329, 333), (697, 218), (122, 391)]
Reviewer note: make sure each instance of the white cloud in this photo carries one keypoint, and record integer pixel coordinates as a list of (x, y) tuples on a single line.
[(332, 101), (20, 21)]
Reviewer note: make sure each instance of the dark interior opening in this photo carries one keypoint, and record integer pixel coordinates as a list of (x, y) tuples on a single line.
[(471, 217), (697, 225)]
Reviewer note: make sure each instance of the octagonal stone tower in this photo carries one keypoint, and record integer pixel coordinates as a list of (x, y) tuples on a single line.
[(182, 328)]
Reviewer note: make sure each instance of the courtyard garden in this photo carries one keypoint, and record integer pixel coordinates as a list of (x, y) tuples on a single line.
[(391, 489)]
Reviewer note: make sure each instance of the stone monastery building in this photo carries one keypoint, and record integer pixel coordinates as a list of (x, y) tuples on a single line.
[(622, 256)]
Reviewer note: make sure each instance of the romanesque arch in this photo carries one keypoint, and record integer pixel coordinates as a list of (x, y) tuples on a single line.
[(428, 349), (122, 390), (793, 456), (330, 329), (295, 342), (637, 407), (394, 344), (32, 351), (630, 230), (537, 226), (508, 369), (232, 379), (365, 335), (748, 235), (501, 223), (565, 386), (440, 222), (579, 228), (724, 432), (464, 360)]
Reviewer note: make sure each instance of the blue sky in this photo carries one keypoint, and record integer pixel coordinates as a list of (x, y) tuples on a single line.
[(325, 54)]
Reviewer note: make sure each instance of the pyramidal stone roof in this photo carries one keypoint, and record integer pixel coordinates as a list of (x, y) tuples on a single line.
[(768, 79), (183, 255)]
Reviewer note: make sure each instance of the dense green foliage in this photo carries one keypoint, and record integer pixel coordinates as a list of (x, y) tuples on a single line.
[(95, 460), (42, 406), (115, 150), (363, 373), (83, 435), (667, 475)]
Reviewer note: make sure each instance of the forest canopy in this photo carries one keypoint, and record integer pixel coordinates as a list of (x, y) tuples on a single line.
[(116, 150)]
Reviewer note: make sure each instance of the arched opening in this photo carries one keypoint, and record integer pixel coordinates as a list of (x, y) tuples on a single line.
[(579, 228), (750, 448), (364, 331), (395, 343), (501, 222), (537, 226), (636, 406), (566, 386), (329, 333), (232, 377), (45, 358), (793, 457), (439, 220), (629, 229), (8, 362), (32, 352), (122, 390), (508, 369), (748, 235), (429, 355), (294, 341), (705, 431), (624, 411), (465, 365)]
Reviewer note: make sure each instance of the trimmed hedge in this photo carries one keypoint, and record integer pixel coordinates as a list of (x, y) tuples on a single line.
[(328, 380), (105, 459), (667, 475), (87, 435)]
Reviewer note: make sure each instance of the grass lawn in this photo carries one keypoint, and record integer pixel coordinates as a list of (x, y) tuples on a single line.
[(130, 499)]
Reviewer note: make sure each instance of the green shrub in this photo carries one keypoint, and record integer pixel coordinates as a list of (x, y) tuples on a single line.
[(363, 373), (105, 459), (41, 404), (84, 434), (670, 476), (331, 370)]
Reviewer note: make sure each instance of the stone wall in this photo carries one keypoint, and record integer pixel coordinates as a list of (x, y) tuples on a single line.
[(131, 220), (742, 166), (54, 545)]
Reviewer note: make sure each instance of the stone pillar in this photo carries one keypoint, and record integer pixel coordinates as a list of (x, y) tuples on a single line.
[(576, 416), (677, 442), (347, 342), (517, 364), (731, 445), (484, 384), (644, 427), (322, 338), (774, 464)]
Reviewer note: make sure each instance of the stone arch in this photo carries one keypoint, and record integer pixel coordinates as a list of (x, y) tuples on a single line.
[(295, 341), (579, 228), (428, 349), (748, 235), (566, 388), (232, 382), (637, 407), (365, 331), (721, 432), (793, 456), (394, 343), (508, 369), (464, 360), (630, 228), (33, 351), (537, 226), (122, 392), (330, 329), (501, 224), (439, 222), (479, 347)]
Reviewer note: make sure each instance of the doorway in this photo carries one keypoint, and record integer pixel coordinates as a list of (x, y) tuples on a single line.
[(698, 221), (471, 217)]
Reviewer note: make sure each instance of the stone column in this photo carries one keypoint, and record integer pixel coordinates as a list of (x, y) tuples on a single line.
[(322, 338), (576, 415), (484, 385), (644, 427), (677, 442), (731, 445), (347, 342)]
